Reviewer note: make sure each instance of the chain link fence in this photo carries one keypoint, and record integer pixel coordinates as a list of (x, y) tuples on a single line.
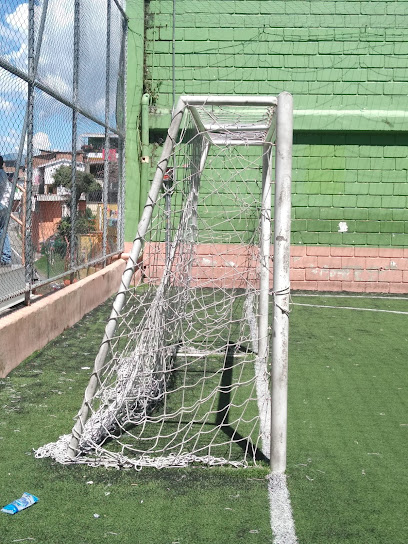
[(62, 136)]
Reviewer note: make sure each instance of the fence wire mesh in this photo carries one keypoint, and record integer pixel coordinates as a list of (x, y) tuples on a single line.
[(62, 130)]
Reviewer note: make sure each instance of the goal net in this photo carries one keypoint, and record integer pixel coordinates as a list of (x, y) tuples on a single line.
[(183, 374)]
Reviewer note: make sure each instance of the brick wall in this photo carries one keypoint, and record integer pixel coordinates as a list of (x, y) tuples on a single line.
[(345, 63)]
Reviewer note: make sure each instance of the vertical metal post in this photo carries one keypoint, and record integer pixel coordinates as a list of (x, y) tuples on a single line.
[(172, 180), (265, 244), (173, 54), (167, 209), (144, 171), (121, 125), (121, 194), (281, 282), (203, 149), (75, 84), (28, 247), (105, 195)]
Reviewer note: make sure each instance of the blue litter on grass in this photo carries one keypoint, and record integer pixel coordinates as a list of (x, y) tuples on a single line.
[(23, 502)]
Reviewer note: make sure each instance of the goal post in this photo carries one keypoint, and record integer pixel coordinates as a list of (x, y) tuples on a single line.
[(281, 282), (183, 374)]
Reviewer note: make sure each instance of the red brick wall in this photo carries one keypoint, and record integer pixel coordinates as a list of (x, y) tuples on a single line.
[(313, 268), (356, 269)]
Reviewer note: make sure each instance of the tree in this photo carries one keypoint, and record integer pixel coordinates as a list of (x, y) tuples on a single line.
[(85, 183), (85, 221)]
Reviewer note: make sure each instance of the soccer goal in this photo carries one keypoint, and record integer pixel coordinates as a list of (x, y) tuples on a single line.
[(192, 368)]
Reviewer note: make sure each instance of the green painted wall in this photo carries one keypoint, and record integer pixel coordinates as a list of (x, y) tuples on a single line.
[(350, 180), (346, 65), (135, 47)]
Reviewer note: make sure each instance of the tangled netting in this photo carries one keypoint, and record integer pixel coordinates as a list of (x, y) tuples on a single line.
[(182, 381)]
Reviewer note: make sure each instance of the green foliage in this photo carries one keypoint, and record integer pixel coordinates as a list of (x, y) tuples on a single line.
[(85, 223), (85, 182)]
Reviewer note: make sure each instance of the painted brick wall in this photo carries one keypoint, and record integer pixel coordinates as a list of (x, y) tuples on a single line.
[(345, 63), (345, 55)]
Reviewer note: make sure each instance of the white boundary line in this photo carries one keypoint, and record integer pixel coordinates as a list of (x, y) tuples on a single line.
[(349, 308), (283, 526), (329, 295), (282, 523)]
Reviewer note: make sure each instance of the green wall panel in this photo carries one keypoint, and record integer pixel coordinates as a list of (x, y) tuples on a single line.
[(344, 62)]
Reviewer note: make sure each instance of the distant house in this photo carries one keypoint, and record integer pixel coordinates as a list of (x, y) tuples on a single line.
[(51, 207), (93, 149), (46, 164), (10, 162)]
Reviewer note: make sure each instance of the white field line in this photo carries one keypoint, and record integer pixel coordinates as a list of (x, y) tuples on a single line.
[(330, 295), (283, 526), (349, 308)]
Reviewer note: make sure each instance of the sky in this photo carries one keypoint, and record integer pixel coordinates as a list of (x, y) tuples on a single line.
[(52, 120)]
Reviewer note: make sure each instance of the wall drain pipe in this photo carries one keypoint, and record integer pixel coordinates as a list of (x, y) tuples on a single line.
[(144, 174)]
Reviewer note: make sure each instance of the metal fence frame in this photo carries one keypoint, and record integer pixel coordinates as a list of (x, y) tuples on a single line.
[(35, 40)]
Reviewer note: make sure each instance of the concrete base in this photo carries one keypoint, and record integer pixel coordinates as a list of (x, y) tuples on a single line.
[(31, 328)]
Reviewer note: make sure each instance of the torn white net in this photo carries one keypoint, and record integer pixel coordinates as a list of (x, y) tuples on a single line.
[(182, 380)]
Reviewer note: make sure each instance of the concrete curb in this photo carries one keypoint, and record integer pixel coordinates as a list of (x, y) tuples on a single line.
[(25, 331)]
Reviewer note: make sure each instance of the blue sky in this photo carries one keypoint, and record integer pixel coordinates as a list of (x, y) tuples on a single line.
[(52, 120)]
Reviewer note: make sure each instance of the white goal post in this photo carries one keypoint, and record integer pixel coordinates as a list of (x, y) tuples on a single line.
[(183, 374)]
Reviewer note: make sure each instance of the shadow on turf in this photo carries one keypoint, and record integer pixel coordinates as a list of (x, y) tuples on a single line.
[(224, 402)]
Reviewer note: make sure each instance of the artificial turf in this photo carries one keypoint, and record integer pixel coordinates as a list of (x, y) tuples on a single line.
[(348, 421), (196, 505), (347, 443)]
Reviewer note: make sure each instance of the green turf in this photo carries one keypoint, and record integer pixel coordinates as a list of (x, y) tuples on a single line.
[(347, 469), (39, 400), (348, 422), (48, 268)]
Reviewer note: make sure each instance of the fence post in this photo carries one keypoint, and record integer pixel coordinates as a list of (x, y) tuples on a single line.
[(75, 83), (107, 139), (28, 246)]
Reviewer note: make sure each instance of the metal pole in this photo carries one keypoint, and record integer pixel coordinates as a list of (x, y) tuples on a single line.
[(204, 148), (126, 278), (262, 371), (173, 55), (75, 83), (121, 194), (29, 77), (107, 139), (28, 249), (265, 244), (121, 122), (144, 172), (281, 283), (172, 180)]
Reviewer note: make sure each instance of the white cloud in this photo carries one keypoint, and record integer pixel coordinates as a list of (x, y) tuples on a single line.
[(41, 140), (18, 19), (11, 86), (18, 55), (58, 83), (6, 105), (10, 142)]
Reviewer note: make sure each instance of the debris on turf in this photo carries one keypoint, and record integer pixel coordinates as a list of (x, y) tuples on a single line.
[(26, 500)]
